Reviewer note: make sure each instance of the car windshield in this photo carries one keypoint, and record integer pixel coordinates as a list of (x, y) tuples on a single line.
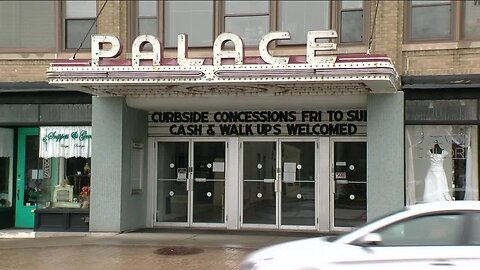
[(365, 224), (436, 229)]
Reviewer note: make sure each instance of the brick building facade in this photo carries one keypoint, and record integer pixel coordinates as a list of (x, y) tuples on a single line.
[(438, 71)]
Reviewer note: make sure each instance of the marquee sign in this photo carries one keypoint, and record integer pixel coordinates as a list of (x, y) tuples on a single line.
[(148, 73), (109, 47), (259, 123)]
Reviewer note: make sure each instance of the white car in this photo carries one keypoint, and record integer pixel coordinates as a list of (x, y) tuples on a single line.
[(440, 235)]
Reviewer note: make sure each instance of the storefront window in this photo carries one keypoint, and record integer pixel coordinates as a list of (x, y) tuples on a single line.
[(441, 162), (6, 163), (66, 183), (66, 167), (5, 200)]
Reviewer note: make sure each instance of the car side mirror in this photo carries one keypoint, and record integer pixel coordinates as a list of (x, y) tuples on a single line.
[(371, 239)]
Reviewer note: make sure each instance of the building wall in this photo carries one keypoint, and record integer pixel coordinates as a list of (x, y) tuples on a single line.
[(448, 61), (426, 58), (112, 117)]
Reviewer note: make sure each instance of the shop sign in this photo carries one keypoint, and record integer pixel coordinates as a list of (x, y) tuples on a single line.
[(259, 123), (104, 46), (68, 141)]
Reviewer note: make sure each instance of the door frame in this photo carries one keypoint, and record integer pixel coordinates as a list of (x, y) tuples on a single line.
[(190, 193), (278, 143), (333, 140), (24, 215)]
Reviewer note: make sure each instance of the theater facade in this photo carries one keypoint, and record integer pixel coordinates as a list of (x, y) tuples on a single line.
[(308, 142)]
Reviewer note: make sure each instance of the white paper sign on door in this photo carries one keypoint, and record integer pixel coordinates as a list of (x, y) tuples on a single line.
[(289, 172), (218, 166)]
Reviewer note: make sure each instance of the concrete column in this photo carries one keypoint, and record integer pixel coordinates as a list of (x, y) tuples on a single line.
[(385, 154), (106, 164), (113, 207)]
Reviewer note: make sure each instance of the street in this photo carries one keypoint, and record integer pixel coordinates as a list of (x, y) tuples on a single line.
[(134, 251)]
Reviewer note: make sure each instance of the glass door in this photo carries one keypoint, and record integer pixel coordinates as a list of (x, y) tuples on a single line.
[(208, 190), (349, 183), (278, 184), (29, 177), (172, 182), (297, 193), (191, 183), (259, 195)]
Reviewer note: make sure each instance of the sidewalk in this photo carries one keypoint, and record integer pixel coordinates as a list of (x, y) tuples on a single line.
[(215, 250)]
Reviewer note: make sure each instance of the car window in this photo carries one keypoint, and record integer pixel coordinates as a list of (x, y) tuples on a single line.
[(430, 230), (474, 238)]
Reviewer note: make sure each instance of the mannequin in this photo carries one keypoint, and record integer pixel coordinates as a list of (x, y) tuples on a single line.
[(436, 149), (436, 185)]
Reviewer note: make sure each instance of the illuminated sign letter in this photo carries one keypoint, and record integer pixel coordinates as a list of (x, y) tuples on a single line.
[(98, 50), (313, 46), (263, 48), (219, 53), (182, 53), (137, 50)]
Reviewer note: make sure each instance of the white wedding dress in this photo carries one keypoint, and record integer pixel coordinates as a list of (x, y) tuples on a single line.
[(436, 185)]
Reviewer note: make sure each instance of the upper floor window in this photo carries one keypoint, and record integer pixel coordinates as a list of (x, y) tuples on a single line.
[(147, 18), (351, 21), (471, 26), (27, 25), (250, 19), (299, 17), (79, 21), (32, 25), (443, 20), (192, 17), (430, 19)]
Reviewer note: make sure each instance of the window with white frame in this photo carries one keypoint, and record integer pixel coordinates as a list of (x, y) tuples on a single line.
[(79, 22), (27, 25)]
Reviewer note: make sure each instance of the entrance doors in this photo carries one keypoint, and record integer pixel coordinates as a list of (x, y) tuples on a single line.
[(349, 183), (191, 183), (272, 183), (278, 184), (29, 177)]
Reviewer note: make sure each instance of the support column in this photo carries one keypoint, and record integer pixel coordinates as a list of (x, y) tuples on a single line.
[(385, 154), (113, 206)]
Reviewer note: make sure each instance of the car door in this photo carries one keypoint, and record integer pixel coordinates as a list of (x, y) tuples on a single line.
[(435, 241)]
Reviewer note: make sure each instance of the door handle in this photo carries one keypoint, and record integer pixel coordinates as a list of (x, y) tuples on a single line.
[(18, 196), (278, 185)]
